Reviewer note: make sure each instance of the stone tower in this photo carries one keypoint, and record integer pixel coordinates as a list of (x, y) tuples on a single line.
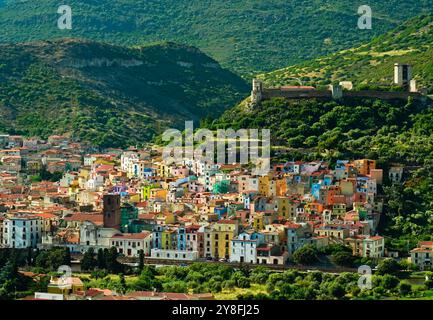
[(402, 74), (111, 211), (257, 92)]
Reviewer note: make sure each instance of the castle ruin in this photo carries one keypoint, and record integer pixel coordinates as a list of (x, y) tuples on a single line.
[(402, 77)]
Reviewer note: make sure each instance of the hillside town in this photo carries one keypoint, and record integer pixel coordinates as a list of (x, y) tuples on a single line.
[(133, 201)]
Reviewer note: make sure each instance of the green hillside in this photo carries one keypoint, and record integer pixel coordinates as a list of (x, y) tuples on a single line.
[(310, 128), (370, 64), (248, 36), (391, 132), (385, 130), (398, 131), (109, 95)]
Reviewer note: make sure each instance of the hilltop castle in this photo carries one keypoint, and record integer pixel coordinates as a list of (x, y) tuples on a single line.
[(402, 78)]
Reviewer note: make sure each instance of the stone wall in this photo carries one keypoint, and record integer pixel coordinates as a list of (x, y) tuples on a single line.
[(326, 94), (295, 94)]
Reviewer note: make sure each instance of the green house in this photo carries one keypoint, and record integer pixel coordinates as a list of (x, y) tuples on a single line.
[(128, 213)]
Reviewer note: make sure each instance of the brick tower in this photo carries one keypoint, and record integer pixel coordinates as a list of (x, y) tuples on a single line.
[(111, 211)]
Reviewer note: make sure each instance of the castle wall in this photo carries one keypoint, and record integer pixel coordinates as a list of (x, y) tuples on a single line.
[(297, 94), (385, 95)]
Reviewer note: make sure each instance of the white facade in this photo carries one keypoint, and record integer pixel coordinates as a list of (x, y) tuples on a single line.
[(126, 159), (131, 244), (94, 183), (94, 236), (372, 186), (174, 254), (22, 232), (89, 160), (191, 241), (253, 184), (244, 249)]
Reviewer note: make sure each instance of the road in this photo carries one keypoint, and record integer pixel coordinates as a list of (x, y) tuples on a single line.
[(329, 269)]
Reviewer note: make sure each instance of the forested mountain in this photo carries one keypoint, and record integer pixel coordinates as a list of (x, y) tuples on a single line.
[(392, 131), (109, 95), (248, 36), (370, 64)]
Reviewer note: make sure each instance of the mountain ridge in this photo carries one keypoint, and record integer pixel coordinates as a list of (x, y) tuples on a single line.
[(370, 64), (247, 36), (362, 126), (109, 94)]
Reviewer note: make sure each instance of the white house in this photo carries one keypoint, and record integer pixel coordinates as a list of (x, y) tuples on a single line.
[(22, 232), (174, 254), (95, 236), (89, 159), (126, 159), (130, 244), (244, 249)]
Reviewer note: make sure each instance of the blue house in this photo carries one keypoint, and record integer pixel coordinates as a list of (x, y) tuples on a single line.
[(220, 211), (181, 238), (157, 236)]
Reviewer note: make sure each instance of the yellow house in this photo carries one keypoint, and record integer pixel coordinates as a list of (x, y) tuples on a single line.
[(286, 207), (105, 161), (145, 191), (83, 176), (347, 188), (85, 197), (170, 218), (333, 231), (283, 207), (134, 198), (222, 234), (364, 166), (258, 221), (163, 170), (70, 285), (168, 239), (264, 185), (158, 193), (281, 187), (73, 188), (339, 209), (34, 165)]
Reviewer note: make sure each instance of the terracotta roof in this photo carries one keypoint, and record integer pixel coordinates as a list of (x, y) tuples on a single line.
[(117, 298), (147, 216), (227, 221), (132, 236), (46, 215), (425, 250), (96, 218)]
